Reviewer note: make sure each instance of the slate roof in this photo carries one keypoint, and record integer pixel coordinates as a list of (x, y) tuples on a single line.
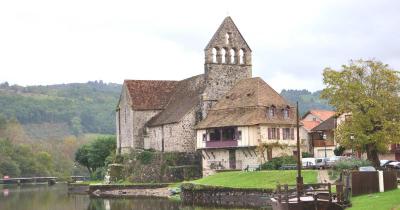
[(185, 97), (246, 104), (328, 124), (150, 94)]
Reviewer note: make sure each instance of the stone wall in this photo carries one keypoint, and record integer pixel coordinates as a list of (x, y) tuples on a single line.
[(224, 196), (177, 137), (140, 118), (124, 122), (153, 167)]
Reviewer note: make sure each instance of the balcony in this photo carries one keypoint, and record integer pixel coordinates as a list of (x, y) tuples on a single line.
[(221, 144), (321, 143)]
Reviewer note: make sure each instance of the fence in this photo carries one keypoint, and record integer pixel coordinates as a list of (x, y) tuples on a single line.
[(368, 182)]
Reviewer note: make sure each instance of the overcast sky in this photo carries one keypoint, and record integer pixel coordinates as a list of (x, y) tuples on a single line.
[(49, 42)]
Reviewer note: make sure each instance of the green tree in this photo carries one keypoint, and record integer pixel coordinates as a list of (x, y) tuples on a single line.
[(369, 90), (94, 154), (82, 157)]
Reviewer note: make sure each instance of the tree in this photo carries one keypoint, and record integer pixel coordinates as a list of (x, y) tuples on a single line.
[(82, 157), (94, 154), (369, 90)]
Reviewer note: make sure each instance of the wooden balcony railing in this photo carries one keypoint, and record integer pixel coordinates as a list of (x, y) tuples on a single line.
[(221, 144), (321, 143)]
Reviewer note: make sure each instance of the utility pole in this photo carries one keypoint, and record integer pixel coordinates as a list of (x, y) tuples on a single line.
[(299, 179)]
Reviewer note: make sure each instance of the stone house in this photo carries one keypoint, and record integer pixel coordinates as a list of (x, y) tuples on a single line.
[(248, 117), (162, 115)]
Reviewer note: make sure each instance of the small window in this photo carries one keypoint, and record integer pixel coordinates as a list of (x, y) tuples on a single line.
[(286, 113), (314, 119), (271, 111), (204, 137)]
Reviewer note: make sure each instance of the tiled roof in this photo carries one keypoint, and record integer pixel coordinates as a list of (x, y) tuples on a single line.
[(246, 104), (186, 96), (309, 125), (150, 94), (322, 114)]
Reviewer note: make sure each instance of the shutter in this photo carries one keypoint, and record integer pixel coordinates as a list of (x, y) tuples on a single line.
[(269, 133), (292, 133), (278, 133)]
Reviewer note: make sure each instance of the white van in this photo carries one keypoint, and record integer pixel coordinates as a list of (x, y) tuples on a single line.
[(308, 162)]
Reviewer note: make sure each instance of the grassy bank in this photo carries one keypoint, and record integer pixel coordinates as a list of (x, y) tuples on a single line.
[(386, 200), (257, 179)]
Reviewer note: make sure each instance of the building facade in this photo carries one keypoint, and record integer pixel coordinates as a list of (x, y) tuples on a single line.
[(250, 125), (162, 115)]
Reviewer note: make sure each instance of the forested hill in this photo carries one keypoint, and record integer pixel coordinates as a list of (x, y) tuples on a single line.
[(307, 100), (60, 110), (56, 111)]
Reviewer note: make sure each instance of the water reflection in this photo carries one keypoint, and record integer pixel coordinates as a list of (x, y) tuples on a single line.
[(43, 197)]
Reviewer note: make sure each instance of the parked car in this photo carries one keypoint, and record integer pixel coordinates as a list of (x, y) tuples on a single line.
[(308, 162), (393, 164), (366, 168), (321, 163)]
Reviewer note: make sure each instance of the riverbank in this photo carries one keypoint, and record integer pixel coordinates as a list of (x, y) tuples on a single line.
[(157, 190)]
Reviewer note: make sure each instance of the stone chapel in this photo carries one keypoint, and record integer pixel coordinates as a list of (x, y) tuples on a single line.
[(162, 115)]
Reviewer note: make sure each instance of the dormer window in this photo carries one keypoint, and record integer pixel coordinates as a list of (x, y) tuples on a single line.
[(286, 113), (271, 111)]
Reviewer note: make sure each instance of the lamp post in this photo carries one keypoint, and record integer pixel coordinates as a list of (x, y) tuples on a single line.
[(352, 144), (324, 137)]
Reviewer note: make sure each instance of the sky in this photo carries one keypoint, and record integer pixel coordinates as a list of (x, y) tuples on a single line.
[(46, 42)]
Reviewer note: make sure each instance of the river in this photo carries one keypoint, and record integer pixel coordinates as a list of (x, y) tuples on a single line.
[(56, 197)]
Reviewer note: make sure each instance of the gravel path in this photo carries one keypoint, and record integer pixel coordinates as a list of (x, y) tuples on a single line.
[(323, 177)]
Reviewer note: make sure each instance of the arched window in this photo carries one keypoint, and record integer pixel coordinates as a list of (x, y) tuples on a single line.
[(227, 38), (223, 55), (232, 54), (241, 56), (214, 55)]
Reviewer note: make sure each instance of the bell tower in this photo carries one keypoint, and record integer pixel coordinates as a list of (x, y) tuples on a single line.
[(227, 60)]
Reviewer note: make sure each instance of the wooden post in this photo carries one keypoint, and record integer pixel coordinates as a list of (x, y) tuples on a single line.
[(299, 179), (286, 194), (279, 193)]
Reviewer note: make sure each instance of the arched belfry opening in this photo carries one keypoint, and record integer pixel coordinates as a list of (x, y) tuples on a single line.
[(228, 46)]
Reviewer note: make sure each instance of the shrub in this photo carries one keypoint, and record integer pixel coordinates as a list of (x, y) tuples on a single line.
[(145, 157), (306, 155), (339, 150), (276, 163), (349, 164)]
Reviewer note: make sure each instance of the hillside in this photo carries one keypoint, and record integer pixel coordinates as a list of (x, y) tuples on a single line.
[(54, 111), (307, 100), (57, 111)]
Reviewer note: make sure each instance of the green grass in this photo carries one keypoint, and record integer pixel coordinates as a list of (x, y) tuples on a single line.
[(257, 179), (389, 200)]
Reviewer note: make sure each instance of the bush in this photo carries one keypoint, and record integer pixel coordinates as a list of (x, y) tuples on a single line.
[(350, 164), (145, 157), (306, 155), (339, 150), (276, 163)]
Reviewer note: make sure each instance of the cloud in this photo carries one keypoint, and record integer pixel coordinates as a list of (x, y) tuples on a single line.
[(48, 42)]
